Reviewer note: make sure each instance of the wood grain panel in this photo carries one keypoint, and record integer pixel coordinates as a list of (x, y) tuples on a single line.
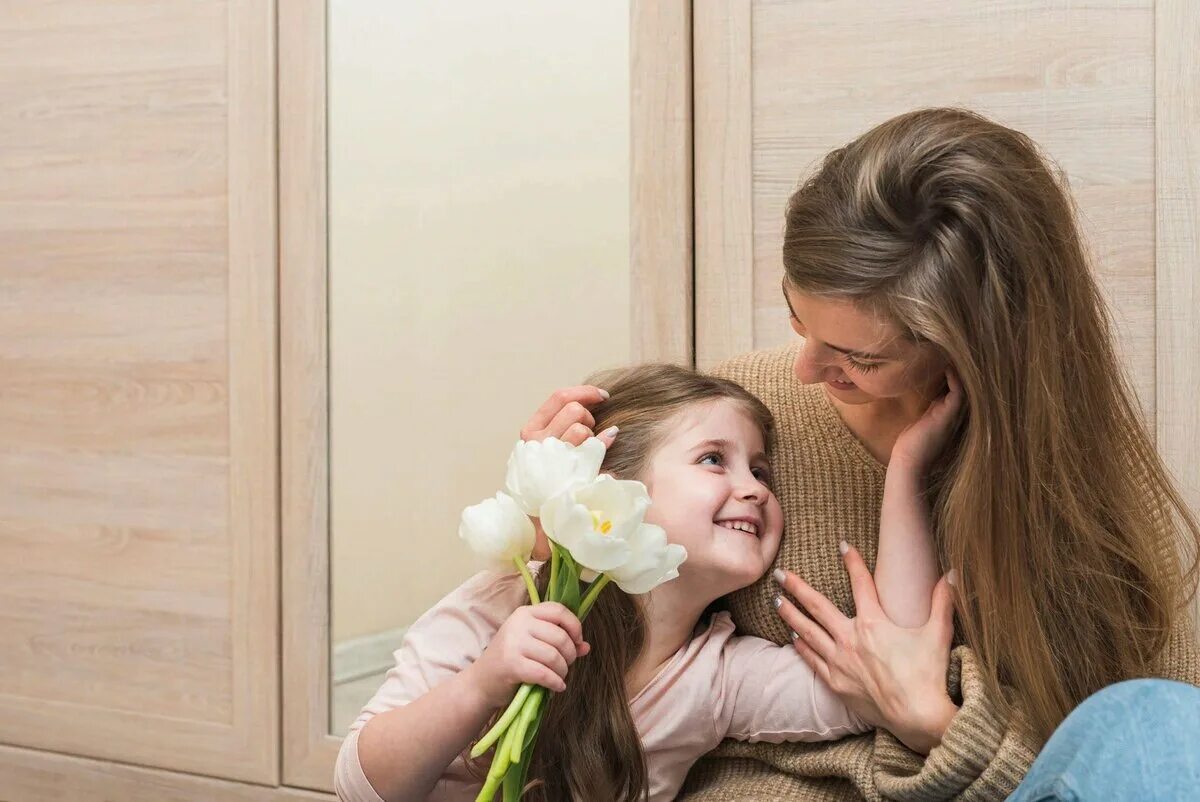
[(30, 776), (138, 446), (1178, 244), (724, 200), (309, 751), (660, 153)]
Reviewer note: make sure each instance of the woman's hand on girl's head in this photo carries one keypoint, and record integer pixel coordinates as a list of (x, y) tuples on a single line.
[(920, 443), (565, 415), (890, 676), (537, 644)]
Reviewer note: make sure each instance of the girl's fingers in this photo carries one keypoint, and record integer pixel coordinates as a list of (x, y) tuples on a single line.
[(541, 652), (954, 396), (819, 607), (813, 636), (538, 674), (862, 584), (941, 613), (556, 613), (556, 637)]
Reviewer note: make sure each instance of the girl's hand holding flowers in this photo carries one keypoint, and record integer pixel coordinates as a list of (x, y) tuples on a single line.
[(537, 644), (596, 536)]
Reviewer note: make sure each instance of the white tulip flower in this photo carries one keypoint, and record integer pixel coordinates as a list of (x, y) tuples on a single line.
[(652, 561), (498, 531), (538, 471), (596, 522)]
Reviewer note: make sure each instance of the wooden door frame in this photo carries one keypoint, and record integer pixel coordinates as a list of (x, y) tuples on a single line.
[(661, 316)]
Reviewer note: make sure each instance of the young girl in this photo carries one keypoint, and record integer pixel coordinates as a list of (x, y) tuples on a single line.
[(660, 686)]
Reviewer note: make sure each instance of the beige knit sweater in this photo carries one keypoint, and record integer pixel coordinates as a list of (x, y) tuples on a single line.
[(831, 488)]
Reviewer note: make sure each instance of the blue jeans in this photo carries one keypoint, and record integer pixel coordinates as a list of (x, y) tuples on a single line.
[(1136, 740)]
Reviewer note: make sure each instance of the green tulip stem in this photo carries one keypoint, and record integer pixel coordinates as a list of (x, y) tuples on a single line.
[(586, 605), (554, 561), (521, 725), (534, 598), (500, 764), (501, 727)]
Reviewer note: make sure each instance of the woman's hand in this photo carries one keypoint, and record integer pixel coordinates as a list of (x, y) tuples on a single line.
[(565, 415), (890, 676), (537, 644)]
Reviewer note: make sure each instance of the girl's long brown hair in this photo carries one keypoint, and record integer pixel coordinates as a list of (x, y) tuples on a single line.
[(1053, 504), (588, 747)]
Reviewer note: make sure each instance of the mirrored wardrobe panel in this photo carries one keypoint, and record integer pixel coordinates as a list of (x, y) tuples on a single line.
[(479, 240)]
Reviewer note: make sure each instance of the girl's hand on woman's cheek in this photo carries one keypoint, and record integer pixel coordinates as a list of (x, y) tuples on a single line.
[(565, 415), (921, 442), (890, 676)]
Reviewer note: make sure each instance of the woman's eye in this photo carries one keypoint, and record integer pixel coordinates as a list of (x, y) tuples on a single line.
[(862, 367)]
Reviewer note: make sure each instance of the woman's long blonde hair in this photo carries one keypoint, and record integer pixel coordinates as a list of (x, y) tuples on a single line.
[(1053, 505), (589, 747)]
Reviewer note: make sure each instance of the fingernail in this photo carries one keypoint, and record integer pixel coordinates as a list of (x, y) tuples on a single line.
[(952, 577), (843, 547), (605, 394), (611, 431), (777, 601), (795, 635), (778, 575)]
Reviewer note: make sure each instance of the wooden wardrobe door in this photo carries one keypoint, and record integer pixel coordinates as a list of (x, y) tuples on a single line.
[(138, 403), (1104, 88)]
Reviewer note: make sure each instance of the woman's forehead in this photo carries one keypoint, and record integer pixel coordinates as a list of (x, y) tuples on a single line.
[(847, 326)]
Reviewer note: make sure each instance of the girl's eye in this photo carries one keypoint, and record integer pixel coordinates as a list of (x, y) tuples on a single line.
[(862, 367), (714, 456), (762, 474)]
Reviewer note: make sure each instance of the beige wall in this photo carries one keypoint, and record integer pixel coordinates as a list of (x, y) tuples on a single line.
[(479, 246)]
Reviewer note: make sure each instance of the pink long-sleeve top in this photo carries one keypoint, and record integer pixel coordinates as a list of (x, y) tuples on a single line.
[(719, 685)]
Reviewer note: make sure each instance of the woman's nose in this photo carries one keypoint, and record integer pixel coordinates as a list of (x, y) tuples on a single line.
[(809, 368)]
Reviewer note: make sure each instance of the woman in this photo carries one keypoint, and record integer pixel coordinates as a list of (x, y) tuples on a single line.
[(940, 238)]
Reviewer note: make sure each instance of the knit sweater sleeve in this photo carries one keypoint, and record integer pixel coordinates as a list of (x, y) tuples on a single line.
[(983, 754)]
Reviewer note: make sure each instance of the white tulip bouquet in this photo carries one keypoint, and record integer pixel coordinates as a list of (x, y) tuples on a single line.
[(597, 536)]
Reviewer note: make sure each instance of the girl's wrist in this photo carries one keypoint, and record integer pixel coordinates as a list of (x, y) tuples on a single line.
[(482, 690), (904, 466), (928, 733)]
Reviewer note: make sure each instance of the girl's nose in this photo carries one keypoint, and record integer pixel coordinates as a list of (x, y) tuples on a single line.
[(752, 490)]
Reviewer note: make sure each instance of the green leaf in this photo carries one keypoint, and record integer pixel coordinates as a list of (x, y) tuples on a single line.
[(568, 573)]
